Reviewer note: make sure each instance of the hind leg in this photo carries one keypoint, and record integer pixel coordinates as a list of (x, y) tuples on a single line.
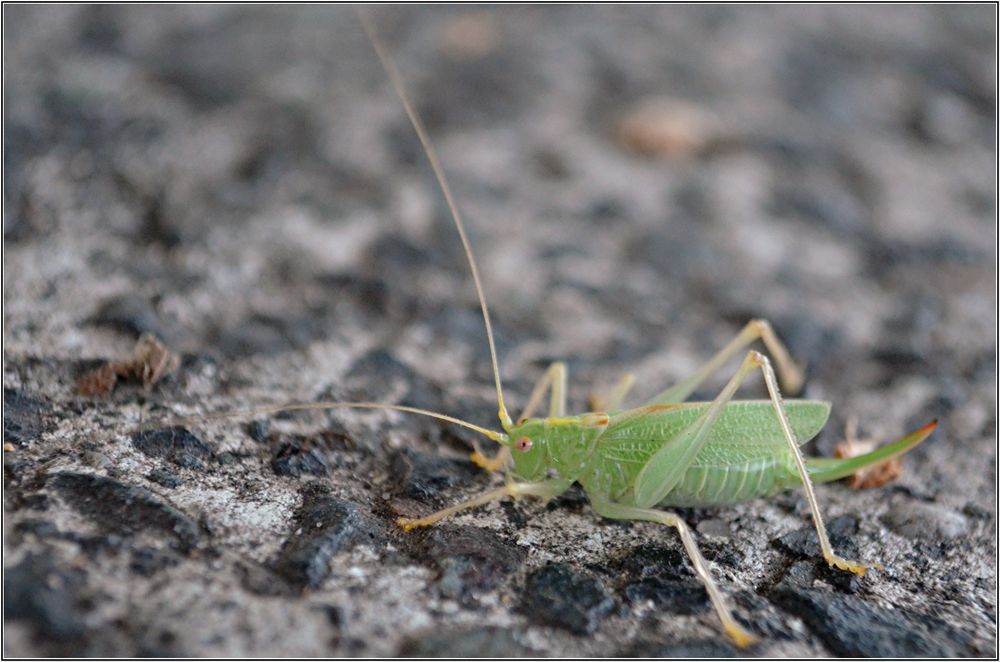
[(664, 470), (740, 636)]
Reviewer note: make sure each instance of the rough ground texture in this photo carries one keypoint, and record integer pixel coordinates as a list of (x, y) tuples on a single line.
[(639, 182)]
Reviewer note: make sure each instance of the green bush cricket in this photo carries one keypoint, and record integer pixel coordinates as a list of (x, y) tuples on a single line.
[(666, 452)]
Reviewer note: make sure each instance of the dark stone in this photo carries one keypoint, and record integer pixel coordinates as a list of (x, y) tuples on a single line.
[(976, 511), (99, 30), (762, 618), (37, 527), (125, 509), (45, 530), (514, 513), (423, 476), (22, 416), (334, 615), (650, 559), (804, 543), (851, 627), (372, 293), (675, 596), (926, 521), (47, 597), (174, 444), (397, 259), (574, 499), (161, 644), (825, 204), (133, 315), (164, 478), (481, 91), (294, 457), (470, 558), (258, 431), (379, 375), (269, 334), (324, 525), (559, 596), (466, 642), (147, 561)]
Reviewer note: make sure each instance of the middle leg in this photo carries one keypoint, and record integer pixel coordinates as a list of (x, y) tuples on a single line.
[(791, 374), (545, 489)]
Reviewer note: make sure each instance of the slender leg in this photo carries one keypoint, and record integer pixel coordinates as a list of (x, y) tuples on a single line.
[(666, 467), (495, 463), (791, 374), (554, 379), (786, 428), (545, 489), (737, 632), (612, 402)]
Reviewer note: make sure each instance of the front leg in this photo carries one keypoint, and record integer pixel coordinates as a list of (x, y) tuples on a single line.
[(545, 489), (554, 380)]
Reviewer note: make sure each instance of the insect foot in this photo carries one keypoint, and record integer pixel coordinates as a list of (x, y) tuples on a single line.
[(407, 524), (490, 464), (858, 569), (740, 636)]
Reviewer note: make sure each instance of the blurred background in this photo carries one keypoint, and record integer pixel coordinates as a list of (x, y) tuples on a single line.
[(638, 182)]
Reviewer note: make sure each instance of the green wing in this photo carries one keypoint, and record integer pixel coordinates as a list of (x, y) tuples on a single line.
[(747, 431)]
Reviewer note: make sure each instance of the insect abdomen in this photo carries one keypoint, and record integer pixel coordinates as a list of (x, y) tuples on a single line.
[(716, 485)]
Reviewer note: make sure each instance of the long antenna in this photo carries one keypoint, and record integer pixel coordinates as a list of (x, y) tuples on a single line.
[(397, 83), (305, 406)]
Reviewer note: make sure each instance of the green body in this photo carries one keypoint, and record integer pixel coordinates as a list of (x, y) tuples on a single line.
[(745, 456)]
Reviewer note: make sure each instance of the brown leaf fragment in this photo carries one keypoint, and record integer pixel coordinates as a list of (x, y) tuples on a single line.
[(151, 361), (100, 381), (874, 476)]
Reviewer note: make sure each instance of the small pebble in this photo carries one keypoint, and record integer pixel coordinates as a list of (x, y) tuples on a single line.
[(926, 521)]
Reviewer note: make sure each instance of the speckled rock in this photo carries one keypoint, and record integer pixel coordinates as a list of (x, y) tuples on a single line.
[(560, 596), (927, 521), (469, 559), (325, 525), (122, 509), (854, 628), (637, 183), (175, 444)]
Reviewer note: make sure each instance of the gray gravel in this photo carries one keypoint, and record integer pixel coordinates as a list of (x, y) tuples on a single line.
[(638, 181)]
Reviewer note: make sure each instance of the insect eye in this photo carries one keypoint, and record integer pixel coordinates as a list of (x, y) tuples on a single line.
[(523, 444)]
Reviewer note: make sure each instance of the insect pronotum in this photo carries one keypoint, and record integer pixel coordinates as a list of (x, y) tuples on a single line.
[(665, 452)]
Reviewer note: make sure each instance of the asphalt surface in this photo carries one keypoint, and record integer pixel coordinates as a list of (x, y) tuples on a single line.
[(241, 183)]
